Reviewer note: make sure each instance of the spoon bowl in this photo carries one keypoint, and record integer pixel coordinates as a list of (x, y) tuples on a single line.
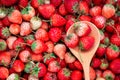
[(85, 57)]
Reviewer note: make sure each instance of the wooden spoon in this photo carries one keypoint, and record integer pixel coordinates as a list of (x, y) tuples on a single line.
[(85, 57)]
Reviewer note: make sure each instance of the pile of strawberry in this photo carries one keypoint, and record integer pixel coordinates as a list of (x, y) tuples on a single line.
[(33, 32)]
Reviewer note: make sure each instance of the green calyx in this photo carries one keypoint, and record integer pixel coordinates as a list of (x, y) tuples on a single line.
[(6, 32), (75, 7), (48, 56), (36, 70), (10, 10), (102, 45), (106, 41), (3, 10), (29, 37), (109, 6), (3, 45), (114, 47), (26, 10), (16, 77), (81, 46), (40, 1), (66, 72), (29, 66), (109, 77), (33, 46)]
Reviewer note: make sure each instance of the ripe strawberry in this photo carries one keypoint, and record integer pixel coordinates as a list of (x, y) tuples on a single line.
[(71, 5), (78, 65), (99, 21), (13, 76), (4, 32), (82, 29), (5, 58), (39, 70), (69, 23), (55, 34), (70, 16), (76, 75), (57, 20), (92, 73), (109, 28), (14, 29), (54, 66), (62, 10), (36, 3), (50, 46), (95, 11), (3, 12), (117, 26), (50, 76), (3, 45), (41, 34), (112, 52), (86, 42), (4, 73), (56, 3), (96, 62), (1, 24), (69, 58), (71, 40), (83, 7), (108, 75), (46, 10), (23, 3), (71, 66), (115, 39), (5, 21), (84, 18), (36, 57), (98, 73), (29, 39), (18, 66), (15, 16), (35, 23), (25, 29), (8, 2), (104, 64), (32, 77), (38, 46), (28, 12), (62, 62), (97, 2), (108, 10), (101, 50), (45, 25), (64, 74), (60, 50)]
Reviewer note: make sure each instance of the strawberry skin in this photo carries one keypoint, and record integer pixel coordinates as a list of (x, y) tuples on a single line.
[(115, 39), (4, 73), (56, 3), (36, 3), (8, 2), (23, 3), (95, 11), (50, 76), (76, 75)]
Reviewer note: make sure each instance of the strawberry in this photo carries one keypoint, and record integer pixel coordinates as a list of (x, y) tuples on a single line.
[(1, 24), (46, 10), (86, 42), (3, 45), (5, 58), (108, 75), (50, 46), (108, 10), (117, 27), (18, 66), (104, 64), (41, 34), (78, 65), (115, 39), (60, 50), (100, 78), (15, 16), (50, 76), (32, 77), (55, 34), (54, 66), (109, 28), (96, 62), (101, 50), (13, 76), (45, 25), (98, 73), (8, 2), (83, 7), (29, 66), (97, 2), (62, 62), (39, 70), (28, 12), (95, 11), (14, 29), (92, 74), (36, 3), (71, 40), (69, 23), (23, 3), (82, 29), (3, 12), (112, 52), (36, 57), (71, 66), (76, 75), (62, 10), (5, 21), (64, 74), (84, 18), (25, 29), (71, 5), (29, 39), (35, 22), (69, 58), (99, 21), (4, 32), (4, 73), (56, 3), (57, 20), (38, 46)]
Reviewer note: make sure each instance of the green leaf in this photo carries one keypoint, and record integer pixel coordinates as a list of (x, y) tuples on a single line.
[(17, 77), (118, 13), (40, 1), (36, 70), (33, 46), (29, 66), (26, 10)]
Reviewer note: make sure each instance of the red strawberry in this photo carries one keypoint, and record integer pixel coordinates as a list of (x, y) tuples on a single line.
[(64, 74), (78, 65), (92, 73), (99, 21), (28, 12), (50, 46), (18, 66), (14, 29), (97, 2), (71, 66), (62, 62), (36, 3), (15, 16), (62, 10), (5, 21), (117, 27), (95, 11), (23, 3), (5, 58), (38, 46), (96, 62), (108, 10), (39, 70), (36, 57), (4, 32), (54, 66), (4, 73), (13, 76), (82, 29), (115, 39), (57, 20), (71, 5), (44, 25), (112, 52), (71, 40), (98, 73), (86, 42), (104, 64), (84, 18), (50, 76), (29, 39), (108, 75), (70, 16), (8, 2), (55, 34), (76, 75), (60, 50), (3, 45), (69, 58), (56, 3), (41, 34), (69, 23), (109, 28), (46, 10)]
